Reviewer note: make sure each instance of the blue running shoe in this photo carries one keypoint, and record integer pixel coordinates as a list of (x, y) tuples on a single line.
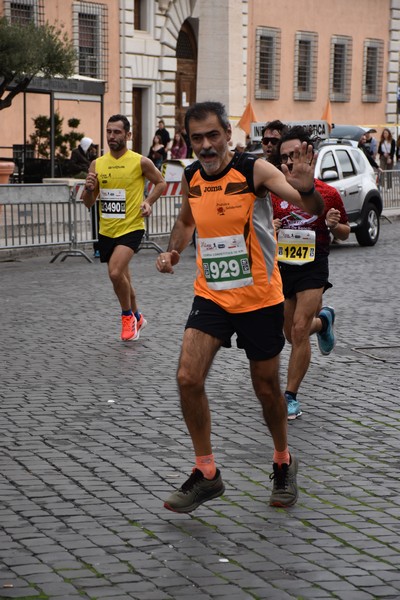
[(293, 407), (327, 340)]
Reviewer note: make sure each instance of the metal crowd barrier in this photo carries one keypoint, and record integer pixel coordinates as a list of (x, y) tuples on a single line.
[(389, 186), (40, 215), (52, 214)]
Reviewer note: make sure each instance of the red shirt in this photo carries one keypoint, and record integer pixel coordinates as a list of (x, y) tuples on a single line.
[(293, 217)]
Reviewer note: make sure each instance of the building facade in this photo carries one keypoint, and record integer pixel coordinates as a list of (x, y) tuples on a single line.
[(302, 55), (176, 52), (156, 57), (94, 28)]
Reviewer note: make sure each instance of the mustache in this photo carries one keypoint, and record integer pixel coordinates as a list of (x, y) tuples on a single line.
[(205, 153)]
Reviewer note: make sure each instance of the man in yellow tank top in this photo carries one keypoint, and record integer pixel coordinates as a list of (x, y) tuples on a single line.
[(237, 289), (118, 178)]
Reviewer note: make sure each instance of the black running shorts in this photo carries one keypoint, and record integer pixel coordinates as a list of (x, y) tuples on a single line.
[(313, 275), (259, 332), (107, 244)]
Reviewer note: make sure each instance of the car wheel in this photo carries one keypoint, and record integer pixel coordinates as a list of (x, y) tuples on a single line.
[(367, 233)]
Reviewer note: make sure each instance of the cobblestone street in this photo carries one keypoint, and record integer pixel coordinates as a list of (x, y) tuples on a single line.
[(93, 441)]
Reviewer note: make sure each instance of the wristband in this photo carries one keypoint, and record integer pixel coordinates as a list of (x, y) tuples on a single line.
[(309, 192), (331, 227)]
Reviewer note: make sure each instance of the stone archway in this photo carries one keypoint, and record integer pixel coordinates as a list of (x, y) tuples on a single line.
[(186, 72)]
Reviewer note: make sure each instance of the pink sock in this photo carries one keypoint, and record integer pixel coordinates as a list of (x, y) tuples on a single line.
[(206, 465), (281, 457)]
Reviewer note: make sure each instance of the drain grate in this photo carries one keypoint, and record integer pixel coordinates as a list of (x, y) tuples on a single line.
[(390, 354)]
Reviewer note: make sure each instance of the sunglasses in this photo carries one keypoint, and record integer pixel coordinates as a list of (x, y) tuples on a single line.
[(269, 140), (285, 157)]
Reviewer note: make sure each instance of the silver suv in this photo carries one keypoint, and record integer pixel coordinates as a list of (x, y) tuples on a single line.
[(346, 168)]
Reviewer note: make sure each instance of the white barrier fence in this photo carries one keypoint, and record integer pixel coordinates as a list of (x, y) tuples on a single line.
[(51, 214), (38, 215), (389, 187)]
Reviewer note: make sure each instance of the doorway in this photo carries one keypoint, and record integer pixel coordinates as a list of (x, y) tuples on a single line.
[(137, 97), (186, 74)]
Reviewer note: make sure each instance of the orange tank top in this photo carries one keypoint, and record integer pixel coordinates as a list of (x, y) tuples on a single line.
[(236, 250)]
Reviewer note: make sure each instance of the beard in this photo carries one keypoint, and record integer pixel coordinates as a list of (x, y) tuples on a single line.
[(117, 145), (210, 161)]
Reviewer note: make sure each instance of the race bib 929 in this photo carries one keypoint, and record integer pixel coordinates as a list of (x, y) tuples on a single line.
[(226, 262)]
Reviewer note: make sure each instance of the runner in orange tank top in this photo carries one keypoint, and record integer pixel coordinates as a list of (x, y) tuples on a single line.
[(225, 196)]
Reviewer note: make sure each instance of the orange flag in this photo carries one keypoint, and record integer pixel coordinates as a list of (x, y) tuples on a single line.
[(247, 118), (327, 114)]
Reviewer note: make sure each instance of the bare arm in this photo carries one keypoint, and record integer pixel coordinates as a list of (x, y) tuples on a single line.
[(91, 190), (181, 234), (340, 231), (296, 186), (154, 176)]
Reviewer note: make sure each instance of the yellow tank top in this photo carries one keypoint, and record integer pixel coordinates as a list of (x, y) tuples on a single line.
[(236, 250), (121, 185)]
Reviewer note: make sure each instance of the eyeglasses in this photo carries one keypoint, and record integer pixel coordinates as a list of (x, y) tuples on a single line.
[(285, 157), (269, 140)]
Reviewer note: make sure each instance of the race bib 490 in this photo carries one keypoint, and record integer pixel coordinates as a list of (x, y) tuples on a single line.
[(113, 204)]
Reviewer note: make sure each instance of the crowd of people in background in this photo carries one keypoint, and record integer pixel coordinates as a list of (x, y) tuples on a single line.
[(164, 147)]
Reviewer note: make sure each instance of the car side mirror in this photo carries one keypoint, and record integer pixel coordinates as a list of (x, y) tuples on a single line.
[(329, 176)]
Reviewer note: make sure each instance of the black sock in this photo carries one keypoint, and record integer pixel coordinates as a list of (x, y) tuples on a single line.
[(291, 394)]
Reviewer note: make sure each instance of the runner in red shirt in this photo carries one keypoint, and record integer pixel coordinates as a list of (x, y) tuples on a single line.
[(303, 249)]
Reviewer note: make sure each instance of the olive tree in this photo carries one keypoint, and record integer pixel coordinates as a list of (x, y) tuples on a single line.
[(27, 51)]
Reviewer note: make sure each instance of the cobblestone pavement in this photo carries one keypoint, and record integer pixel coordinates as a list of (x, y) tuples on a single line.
[(93, 441)]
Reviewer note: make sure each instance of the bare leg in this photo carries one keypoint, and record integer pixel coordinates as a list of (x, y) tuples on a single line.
[(265, 378), (118, 271), (197, 354), (300, 322)]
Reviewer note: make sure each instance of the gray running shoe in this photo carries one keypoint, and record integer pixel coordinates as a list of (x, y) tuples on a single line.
[(284, 491), (196, 490)]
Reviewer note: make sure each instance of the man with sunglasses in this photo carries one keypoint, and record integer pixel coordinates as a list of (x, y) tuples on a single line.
[(271, 134), (303, 249)]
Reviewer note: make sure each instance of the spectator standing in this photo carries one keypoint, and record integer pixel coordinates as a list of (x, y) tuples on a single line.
[(80, 158), (157, 153), (362, 145), (397, 166), (370, 143), (164, 135), (386, 150), (178, 148), (79, 164), (189, 150)]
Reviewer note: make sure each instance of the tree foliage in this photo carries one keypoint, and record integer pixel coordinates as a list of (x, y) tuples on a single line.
[(29, 50), (63, 142)]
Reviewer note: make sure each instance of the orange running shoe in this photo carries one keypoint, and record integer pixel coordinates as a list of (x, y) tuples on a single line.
[(129, 328), (141, 324)]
